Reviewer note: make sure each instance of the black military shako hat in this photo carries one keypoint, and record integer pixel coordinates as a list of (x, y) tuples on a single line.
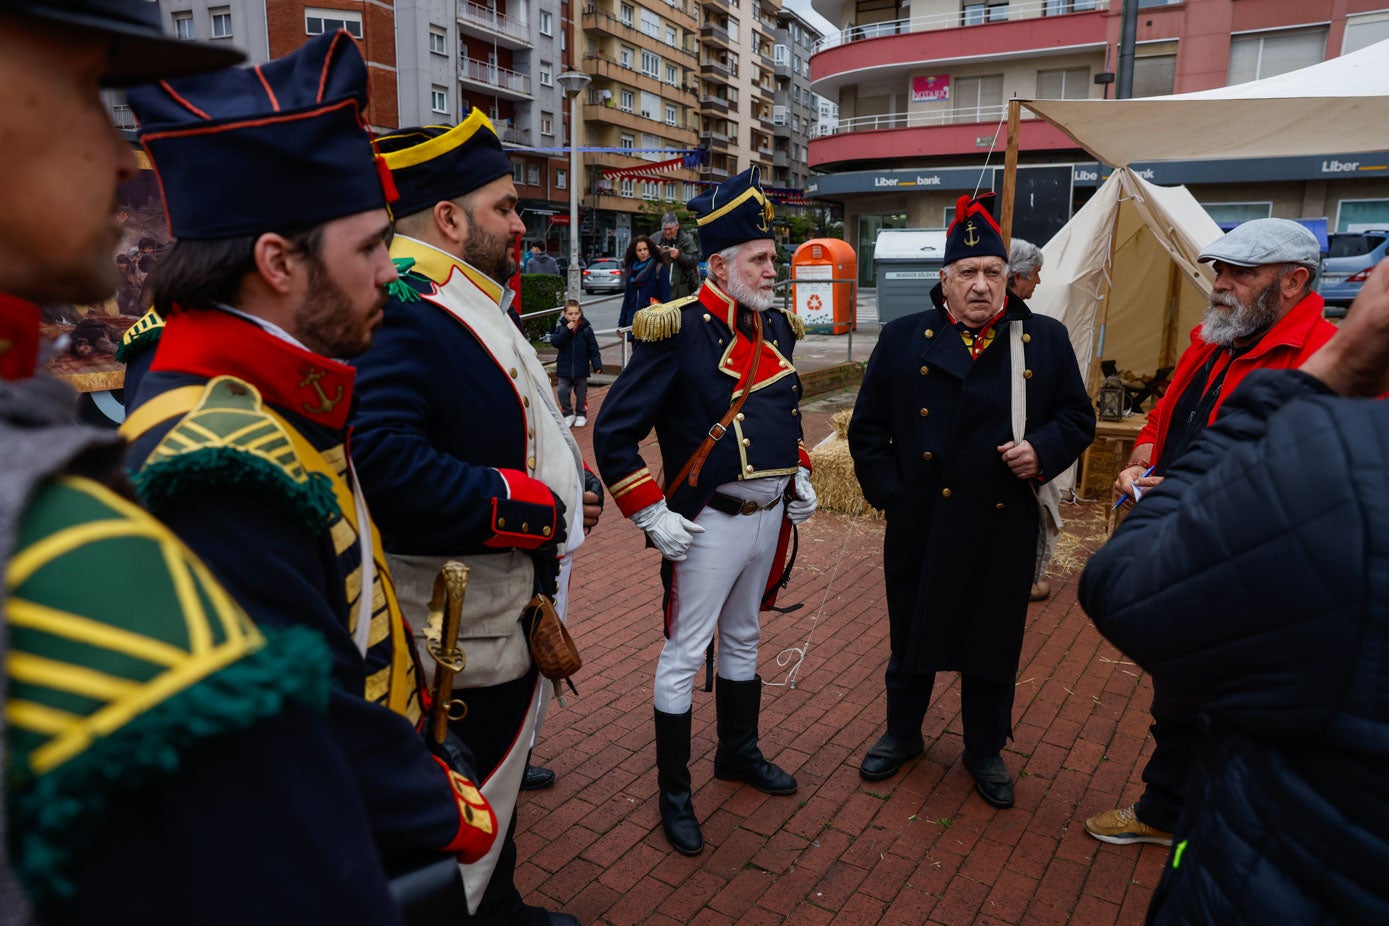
[(735, 211), (974, 233), (141, 51), (278, 146), (432, 163)]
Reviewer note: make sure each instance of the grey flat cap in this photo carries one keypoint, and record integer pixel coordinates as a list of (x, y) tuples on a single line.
[(1265, 241)]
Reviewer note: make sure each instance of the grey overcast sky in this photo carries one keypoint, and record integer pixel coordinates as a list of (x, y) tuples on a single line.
[(802, 7)]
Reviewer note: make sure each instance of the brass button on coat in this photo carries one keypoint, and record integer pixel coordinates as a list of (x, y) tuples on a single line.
[(930, 333), (998, 507), (513, 372), (748, 468), (925, 369), (795, 412), (926, 455), (1027, 339), (708, 317), (1026, 374), (747, 442), (945, 492), (925, 412), (531, 462), (740, 416), (545, 531), (501, 522)]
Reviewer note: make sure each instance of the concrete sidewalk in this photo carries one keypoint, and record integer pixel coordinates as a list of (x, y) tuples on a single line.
[(919, 848)]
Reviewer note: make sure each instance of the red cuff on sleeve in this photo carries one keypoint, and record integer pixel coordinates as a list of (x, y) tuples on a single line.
[(477, 822), (525, 517), (803, 456), (635, 492)]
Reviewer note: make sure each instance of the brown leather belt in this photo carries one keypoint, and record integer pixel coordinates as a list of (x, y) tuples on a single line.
[(730, 505)]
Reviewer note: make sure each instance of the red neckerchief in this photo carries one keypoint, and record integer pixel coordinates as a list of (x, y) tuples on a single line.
[(19, 338), (209, 342), (975, 341)]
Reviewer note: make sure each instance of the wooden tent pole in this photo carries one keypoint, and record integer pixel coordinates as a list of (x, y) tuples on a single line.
[(1010, 173)]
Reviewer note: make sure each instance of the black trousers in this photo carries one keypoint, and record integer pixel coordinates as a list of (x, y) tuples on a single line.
[(986, 708), (1177, 740)]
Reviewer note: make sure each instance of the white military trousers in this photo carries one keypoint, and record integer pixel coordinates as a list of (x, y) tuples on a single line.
[(719, 586)]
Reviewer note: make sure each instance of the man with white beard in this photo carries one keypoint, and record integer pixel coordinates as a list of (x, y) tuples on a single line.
[(1262, 315), (712, 373)]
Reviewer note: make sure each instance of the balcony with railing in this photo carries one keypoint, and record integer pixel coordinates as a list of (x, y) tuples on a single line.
[(500, 81), (886, 50), (964, 130), (710, 32), (717, 103), (602, 22), (507, 31), (721, 71), (511, 134)]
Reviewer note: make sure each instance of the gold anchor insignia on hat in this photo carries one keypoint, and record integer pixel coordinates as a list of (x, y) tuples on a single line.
[(326, 405), (971, 238)]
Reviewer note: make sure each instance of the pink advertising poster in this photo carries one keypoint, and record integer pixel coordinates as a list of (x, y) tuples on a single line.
[(930, 89)]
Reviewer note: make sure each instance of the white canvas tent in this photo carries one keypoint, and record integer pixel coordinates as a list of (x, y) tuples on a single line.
[(1341, 105), (1122, 274)]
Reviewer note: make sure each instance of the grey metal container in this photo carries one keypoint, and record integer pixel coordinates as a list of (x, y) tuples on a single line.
[(906, 265)]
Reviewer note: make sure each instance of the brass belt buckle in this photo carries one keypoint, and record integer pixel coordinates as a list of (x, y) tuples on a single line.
[(748, 507)]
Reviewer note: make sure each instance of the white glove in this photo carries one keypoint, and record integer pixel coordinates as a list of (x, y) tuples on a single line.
[(805, 502), (667, 531)]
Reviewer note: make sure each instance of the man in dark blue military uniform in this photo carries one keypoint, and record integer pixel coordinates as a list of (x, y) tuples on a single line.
[(965, 409), (712, 373), (239, 429), (164, 759)]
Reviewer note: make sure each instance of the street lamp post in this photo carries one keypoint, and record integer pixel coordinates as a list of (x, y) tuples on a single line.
[(573, 83)]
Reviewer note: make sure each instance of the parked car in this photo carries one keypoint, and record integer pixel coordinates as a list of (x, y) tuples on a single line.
[(603, 276), (564, 264), (1349, 259)]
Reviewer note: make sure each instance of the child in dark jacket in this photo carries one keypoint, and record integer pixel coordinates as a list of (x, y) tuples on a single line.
[(578, 350)]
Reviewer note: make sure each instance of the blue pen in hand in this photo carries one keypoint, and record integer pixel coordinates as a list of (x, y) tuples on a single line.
[(1137, 492)]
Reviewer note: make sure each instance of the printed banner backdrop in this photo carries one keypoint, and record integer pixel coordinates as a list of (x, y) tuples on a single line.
[(83, 338), (930, 89)]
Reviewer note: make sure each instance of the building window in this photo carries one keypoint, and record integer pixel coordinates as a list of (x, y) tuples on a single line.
[(1362, 30), (183, 26), (1063, 84), (1154, 75), (547, 74), (626, 12), (624, 56), (221, 22), (1060, 7), (1362, 214), (627, 141), (779, 115), (651, 24), (439, 99), (627, 100), (671, 115), (547, 124), (1265, 54), (1237, 212), (626, 188), (561, 179), (650, 65), (979, 11), (672, 36), (438, 41), (124, 117), (672, 75), (518, 172), (317, 22), (533, 174), (978, 99), (547, 23)]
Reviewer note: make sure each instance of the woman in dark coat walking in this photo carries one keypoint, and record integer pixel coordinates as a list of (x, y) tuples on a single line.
[(647, 278)]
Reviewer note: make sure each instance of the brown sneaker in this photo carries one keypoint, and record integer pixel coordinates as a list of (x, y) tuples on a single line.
[(1122, 828), (1040, 590)]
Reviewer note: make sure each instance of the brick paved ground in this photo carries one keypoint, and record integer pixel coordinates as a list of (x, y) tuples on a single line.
[(921, 847)]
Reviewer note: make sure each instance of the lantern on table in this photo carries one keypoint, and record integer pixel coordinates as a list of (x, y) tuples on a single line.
[(1111, 402)]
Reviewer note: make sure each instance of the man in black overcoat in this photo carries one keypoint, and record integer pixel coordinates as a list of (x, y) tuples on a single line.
[(932, 439)]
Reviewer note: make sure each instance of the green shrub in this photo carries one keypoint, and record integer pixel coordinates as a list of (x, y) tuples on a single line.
[(541, 291)]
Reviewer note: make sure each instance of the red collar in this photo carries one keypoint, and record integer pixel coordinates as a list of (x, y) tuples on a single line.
[(719, 303), (207, 342), (19, 338)]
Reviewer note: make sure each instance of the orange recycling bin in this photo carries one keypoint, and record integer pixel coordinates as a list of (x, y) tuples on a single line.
[(824, 284)]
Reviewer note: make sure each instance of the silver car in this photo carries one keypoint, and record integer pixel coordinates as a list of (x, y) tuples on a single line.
[(603, 276)]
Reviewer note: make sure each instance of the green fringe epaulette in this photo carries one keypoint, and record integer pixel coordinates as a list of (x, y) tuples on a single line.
[(229, 439), (658, 322), (794, 320), (399, 289), (116, 677), (142, 335)]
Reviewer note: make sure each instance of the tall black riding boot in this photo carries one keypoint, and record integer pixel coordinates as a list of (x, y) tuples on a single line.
[(738, 758), (673, 778)]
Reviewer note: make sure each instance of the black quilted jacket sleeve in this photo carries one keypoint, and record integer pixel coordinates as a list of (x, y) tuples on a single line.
[(1254, 582)]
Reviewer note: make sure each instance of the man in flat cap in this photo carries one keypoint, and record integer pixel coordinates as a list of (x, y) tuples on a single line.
[(712, 374), (238, 433), (465, 457), (965, 410), (1262, 315), (134, 687)]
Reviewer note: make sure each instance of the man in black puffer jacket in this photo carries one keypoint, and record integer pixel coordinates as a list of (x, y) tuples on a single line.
[(1254, 584)]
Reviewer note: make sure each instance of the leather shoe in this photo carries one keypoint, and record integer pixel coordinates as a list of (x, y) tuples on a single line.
[(537, 779), (991, 779), (886, 756)]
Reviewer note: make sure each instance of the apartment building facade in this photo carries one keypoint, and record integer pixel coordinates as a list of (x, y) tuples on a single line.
[(922, 89), (795, 110)]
